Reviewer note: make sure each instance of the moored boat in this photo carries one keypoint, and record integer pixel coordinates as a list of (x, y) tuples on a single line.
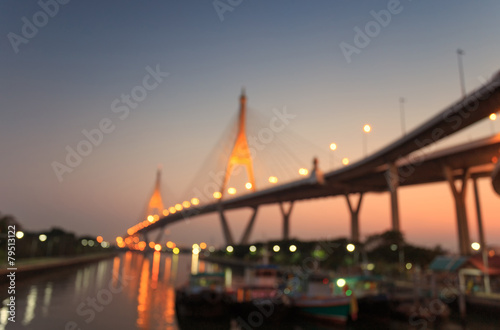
[(204, 297), (261, 296), (316, 298), (331, 309)]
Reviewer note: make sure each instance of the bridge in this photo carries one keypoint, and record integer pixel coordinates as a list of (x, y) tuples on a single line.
[(404, 162)]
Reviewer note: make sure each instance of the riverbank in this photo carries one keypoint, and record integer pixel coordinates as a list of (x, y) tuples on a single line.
[(29, 267)]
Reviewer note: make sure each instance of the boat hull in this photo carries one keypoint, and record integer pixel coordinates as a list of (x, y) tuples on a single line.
[(204, 305), (334, 310)]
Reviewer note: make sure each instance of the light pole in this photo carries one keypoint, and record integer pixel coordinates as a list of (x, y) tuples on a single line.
[(402, 111), (366, 130), (333, 147), (493, 117), (460, 53)]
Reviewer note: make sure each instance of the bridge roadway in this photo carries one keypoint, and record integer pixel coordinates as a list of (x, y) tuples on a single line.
[(404, 162)]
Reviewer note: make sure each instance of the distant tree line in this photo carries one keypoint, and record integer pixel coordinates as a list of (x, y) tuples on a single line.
[(387, 253), (55, 242)]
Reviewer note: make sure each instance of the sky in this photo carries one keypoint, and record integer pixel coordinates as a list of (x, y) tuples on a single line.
[(68, 66)]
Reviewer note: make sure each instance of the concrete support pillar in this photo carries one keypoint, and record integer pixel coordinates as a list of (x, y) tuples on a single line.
[(248, 230), (286, 219), (354, 217), (160, 235), (459, 198), (225, 228), (482, 241), (392, 177)]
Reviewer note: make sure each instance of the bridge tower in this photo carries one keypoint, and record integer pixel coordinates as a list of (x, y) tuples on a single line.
[(240, 155), (155, 204)]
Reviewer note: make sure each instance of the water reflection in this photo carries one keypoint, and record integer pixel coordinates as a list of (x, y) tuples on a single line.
[(29, 315), (46, 299), (142, 299), (156, 269), (134, 291)]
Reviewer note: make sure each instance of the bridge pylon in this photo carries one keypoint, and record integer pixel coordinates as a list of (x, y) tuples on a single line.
[(155, 204), (240, 155)]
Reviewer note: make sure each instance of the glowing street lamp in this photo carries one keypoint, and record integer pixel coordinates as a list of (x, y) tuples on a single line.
[(475, 246), (350, 247), (366, 129), (42, 237), (493, 117), (19, 234), (273, 179), (333, 147), (195, 201), (345, 161), (231, 191), (303, 171), (217, 195), (248, 185)]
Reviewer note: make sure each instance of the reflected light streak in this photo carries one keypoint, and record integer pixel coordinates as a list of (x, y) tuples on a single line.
[(30, 307), (156, 269), (228, 277), (175, 265), (168, 267), (194, 263), (46, 298), (201, 267), (169, 314), (4, 314), (78, 282), (142, 298), (116, 271)]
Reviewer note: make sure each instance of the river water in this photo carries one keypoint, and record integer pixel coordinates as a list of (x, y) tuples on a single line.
[(133, 291)]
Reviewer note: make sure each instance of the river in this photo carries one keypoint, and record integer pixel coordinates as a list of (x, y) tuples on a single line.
[(133, 292)]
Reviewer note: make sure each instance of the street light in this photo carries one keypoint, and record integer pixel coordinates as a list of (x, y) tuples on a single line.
[(366, 129), (333, 147), (460, 53), (345, 161), (350, 247), (402, 110), (493, 117)]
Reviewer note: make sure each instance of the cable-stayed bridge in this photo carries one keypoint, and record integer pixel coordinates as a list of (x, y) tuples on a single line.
[(407, 161)]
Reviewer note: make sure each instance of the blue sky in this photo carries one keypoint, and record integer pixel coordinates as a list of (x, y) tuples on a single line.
[(286, 53)]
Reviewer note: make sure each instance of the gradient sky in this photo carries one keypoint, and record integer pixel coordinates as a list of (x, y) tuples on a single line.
[(65, 78)]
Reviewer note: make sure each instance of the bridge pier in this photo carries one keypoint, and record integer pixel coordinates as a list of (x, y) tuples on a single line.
[(225, 228), (459, 198), (248, 230), (354, 217), (482, 241), (392, 177), (286, 220), (145, 238)]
